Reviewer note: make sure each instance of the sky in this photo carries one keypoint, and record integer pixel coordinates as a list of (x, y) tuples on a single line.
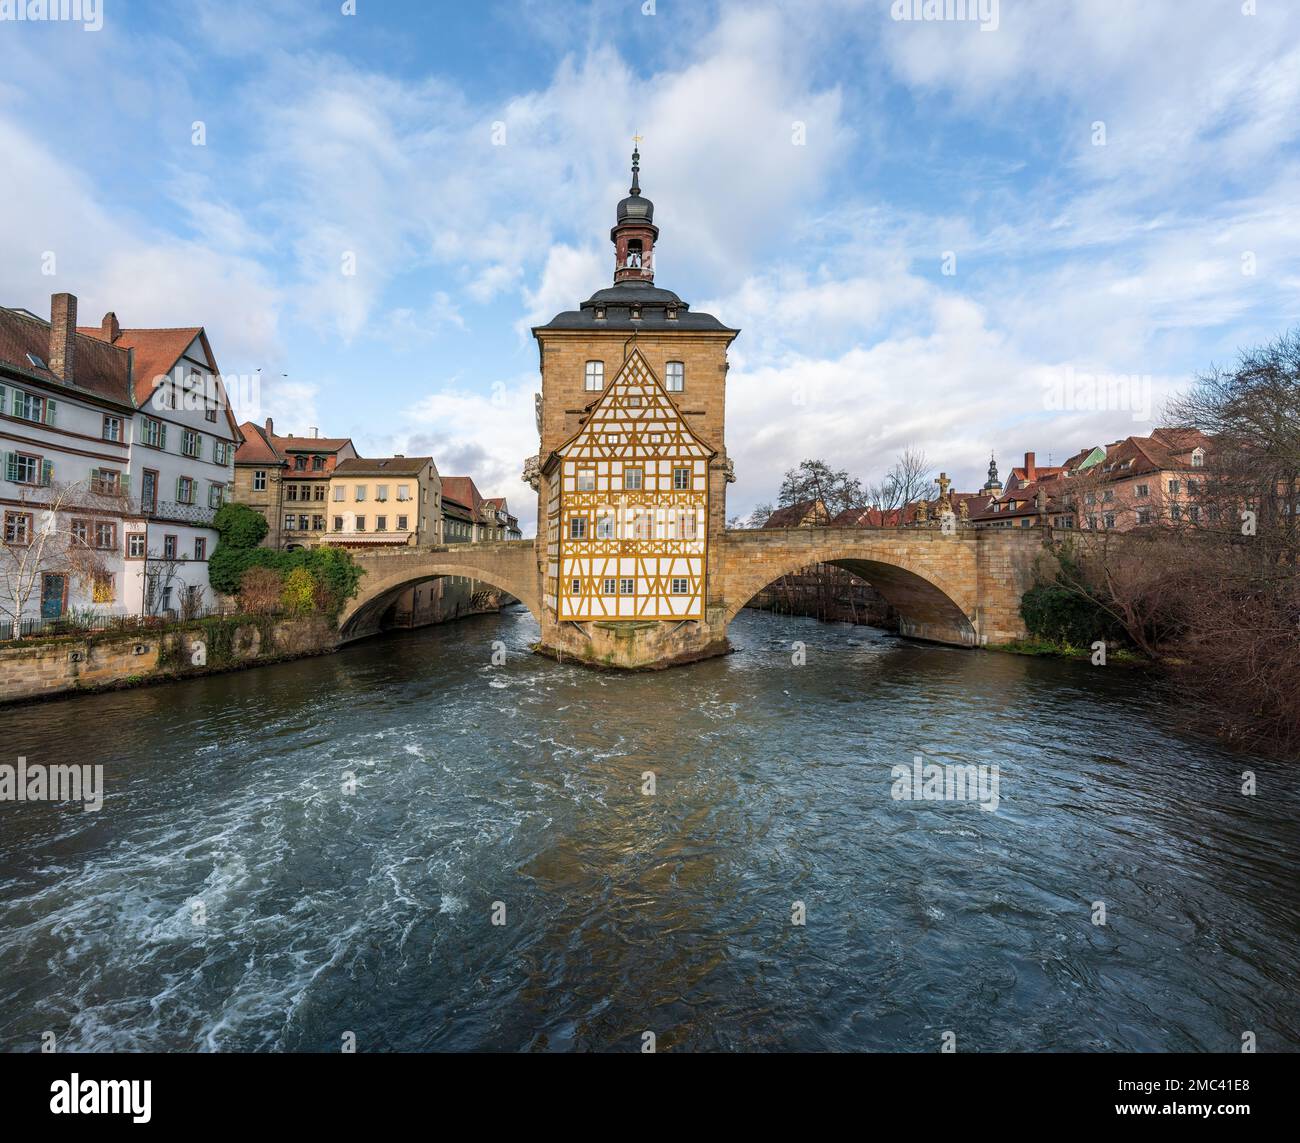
[(966, 236)]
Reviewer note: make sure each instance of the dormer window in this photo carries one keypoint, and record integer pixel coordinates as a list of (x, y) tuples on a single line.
[(1198, 458), (672, 312), (636, 313), (600, 313)]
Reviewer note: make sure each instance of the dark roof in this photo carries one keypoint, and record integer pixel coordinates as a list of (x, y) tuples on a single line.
[(795, 515), (383, 466), (98, 369), (618, 302)]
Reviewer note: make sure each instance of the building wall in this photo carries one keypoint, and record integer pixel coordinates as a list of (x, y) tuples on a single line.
[(423, 509)]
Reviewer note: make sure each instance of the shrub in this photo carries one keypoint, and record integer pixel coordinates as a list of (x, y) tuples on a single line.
[(260, 589), (299, 593), (240, 526)]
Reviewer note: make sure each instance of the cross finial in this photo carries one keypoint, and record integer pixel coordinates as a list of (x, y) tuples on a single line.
[(636, 140)]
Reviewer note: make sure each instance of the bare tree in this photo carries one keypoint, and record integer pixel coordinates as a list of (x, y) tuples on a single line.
[(816, 480), (910, 478)]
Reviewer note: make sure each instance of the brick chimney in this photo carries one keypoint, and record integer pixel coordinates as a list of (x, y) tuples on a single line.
[(63, 335), (109, 328), (270, 427), (1031, 471)]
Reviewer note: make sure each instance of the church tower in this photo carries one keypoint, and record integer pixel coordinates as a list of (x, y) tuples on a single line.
[(632, 470)]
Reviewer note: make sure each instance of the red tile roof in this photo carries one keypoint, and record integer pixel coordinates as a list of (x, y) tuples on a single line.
[(796, 515), (463, 490)]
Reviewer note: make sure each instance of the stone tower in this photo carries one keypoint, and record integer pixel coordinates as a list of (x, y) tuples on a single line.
[(627, 520)]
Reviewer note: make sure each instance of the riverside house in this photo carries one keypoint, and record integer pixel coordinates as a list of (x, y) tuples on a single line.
[(118, 448)]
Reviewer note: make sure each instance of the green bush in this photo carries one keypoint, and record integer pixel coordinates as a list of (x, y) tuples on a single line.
[(299, 594), (330, 576), (240, 526)]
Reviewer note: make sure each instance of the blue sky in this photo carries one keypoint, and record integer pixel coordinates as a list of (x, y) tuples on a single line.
[(815, 168)]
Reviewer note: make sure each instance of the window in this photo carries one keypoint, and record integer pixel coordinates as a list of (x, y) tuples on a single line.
[(1192, 487), (318, 493), (609, 587), (200, 548), (219, 452), (595, 376), (338, 523), (216, 495), (105, 535), (318, 464), (604, 527), (1198, 458), (318, 523), (586, 479), (403, 492), (18, 528), (185, 490), (402, 526), (289, 520), (102, 589), (676, 376), (361, 523), (112, 430), (135, 545), (1173, 488), (210, 414), (259, 480), (1194, 513), (1142, 490), (578, 527), (680, 587), (28, 406), (688, 525), (681, 478), (1175, 512), (359, 493), (80, 530), (22, 468), (105, 481), (339, 492), (632, 478), (1108, 495), (575, 587), (155, 433), (291, 492), (191, 443), (381, 492), (300, 463), (169, 547), (627, 587), (1109, 519), (381, 523)]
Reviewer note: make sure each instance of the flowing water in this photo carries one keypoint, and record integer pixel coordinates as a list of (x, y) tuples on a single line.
[(233, 894)]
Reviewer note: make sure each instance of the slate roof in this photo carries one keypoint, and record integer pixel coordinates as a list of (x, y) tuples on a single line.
[(382, 466), (618, 301)]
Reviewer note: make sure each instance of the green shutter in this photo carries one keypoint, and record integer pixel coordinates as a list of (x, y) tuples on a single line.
[(2, 398), (124, 482), (18, 403), (178, 490), (47, 473), (162, 435), (51, 408), (11, 466)]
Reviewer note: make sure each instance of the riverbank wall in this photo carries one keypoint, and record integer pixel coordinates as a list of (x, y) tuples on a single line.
[(44, 668)]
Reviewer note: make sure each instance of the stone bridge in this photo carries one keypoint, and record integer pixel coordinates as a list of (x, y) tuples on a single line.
[(510, 565), (962, 588)]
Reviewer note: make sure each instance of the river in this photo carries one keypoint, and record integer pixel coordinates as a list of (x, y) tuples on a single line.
[(240, 891)]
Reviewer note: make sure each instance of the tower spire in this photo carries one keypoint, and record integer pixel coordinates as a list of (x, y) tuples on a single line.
[(634, 232), (636, 165)]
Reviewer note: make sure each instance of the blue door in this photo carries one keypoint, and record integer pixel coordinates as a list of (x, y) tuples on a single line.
[(52, 590)]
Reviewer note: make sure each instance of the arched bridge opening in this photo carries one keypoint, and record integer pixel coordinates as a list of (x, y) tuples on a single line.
[(930, 583)]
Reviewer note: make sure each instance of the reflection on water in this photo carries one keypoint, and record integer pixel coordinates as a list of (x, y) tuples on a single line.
[(371, 912)]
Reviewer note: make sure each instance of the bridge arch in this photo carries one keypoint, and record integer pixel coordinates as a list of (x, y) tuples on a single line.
[(931, 584), (508, 567)]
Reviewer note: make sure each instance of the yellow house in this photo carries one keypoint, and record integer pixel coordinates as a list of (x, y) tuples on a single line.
[(394, 500)]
